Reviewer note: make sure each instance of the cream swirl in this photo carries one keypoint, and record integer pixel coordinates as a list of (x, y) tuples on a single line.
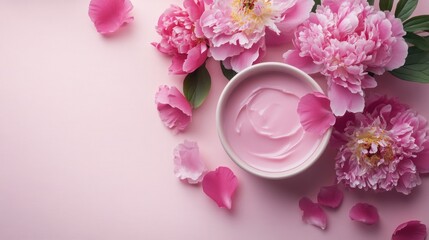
[(264, 109), (262, 124)]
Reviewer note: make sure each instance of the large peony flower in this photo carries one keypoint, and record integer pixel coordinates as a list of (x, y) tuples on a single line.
[(182, 37), (236, 29), (345, 41), (380, 146)]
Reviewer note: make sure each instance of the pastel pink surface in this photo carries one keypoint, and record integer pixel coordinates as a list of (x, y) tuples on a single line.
[(84, 154)]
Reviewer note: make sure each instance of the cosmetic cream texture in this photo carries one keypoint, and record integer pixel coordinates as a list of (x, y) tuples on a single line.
[(262, 125)]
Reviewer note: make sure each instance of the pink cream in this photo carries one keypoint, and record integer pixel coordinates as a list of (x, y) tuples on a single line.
[(261, 124)]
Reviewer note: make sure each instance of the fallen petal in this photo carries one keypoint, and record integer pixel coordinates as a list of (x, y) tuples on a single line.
[(315, 113), (220, 186), (412, 230), (173, 108), (109, 15), (187, 162), (365, 213), (330, 196), (312, 213)]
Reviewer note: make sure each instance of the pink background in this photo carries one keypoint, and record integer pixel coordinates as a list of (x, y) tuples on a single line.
[(83, 154)]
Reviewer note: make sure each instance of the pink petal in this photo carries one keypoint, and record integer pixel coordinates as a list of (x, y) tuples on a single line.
[(365, 213), (109, 15), (422, 159), (312, 213), (296, 15), (187, 162), (196, 58), (173, 108), (368, 82), (343, 100), (220, 186), (248, 57), (399, 54), (306, 64), (315, 113), (225, 51), (195, 9), (334, 5), (330, 196), (348, 24), (177, 62), (291, 19), (412, 230)]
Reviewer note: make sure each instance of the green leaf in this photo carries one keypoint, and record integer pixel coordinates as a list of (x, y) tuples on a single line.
[(371, 2), (228, 73), (316, 3), (416, 67), (386, 5), (418, 23), (405, 8), (196, 86), (418, 41)]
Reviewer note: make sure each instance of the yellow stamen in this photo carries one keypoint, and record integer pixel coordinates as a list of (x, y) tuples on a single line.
[(246, 13), (364, 148)]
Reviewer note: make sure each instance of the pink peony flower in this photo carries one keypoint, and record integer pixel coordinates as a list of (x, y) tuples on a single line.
[(182, 37), (174, 110), (187, 162), (109, 15), (345, 41), (236, 29), (380, 146)]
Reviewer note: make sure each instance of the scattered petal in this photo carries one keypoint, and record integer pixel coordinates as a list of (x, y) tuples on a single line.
[(220, 186), (365, 213), (109, 15), (174, 110), (412, 230), (330, 196), (312, 213), (187, 162), (315, 113)]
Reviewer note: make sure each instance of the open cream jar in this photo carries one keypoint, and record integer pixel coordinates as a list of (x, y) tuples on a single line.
[(258, 123)]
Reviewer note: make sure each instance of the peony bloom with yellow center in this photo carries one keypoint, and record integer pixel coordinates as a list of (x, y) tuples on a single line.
[(384, 147), (237, 30)]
